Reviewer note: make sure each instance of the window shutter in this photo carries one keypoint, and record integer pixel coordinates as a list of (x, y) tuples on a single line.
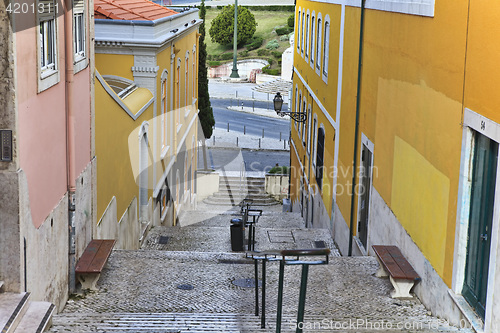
[(78, 6), (46, 10)]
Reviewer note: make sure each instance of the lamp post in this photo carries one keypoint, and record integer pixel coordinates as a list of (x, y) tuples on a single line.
[(234, 73), (278, 104)]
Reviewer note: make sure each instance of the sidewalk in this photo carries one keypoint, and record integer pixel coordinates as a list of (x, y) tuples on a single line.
[(182, 281)]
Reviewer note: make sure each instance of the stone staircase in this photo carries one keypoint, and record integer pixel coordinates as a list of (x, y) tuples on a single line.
[(232, 190), (20, 315)]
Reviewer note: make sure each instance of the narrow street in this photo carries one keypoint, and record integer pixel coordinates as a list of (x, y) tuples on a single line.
[(183, 280)]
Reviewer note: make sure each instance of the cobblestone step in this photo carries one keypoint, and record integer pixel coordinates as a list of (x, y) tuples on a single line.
[(12, 308), (224, 322)]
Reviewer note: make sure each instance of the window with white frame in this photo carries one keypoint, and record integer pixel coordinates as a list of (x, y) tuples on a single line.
[(186, 84), (48, 37), (318, 44), (79, 29), (296, 103), (326, 47), (194, 73), (307, 36), (302, 34), (297, 25), (313, 37), (304, 123), (178, 93), (164, 129), (313, 140), (309, 124)]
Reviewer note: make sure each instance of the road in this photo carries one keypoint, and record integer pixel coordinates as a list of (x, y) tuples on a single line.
[(248, 123), (255, 160)]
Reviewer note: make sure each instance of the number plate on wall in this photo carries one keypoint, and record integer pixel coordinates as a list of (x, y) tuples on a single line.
[(6, 141)]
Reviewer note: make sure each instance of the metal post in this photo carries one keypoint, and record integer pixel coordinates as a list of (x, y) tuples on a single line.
[(228, 127), (253, 105), (262, 133), (302, 298), (214, 140), (280, 136), (280, 295), (234, 73), (236, 141), (284, 144), (244, 129), (263, 317), (256, 265), (259, 143)]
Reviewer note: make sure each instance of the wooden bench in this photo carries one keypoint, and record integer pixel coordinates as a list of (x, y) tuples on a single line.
[(392, 263), (89, 266)]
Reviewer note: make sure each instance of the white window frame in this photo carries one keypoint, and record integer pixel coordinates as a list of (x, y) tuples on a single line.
[(313, 38), (194, 75), (309, 124), (319, 46), (302, 35), (296, 103), (166, 141), (326, 49), (308, 16), (297, 27), (48, 62), (314, 140), (187, 85), (79, 36)]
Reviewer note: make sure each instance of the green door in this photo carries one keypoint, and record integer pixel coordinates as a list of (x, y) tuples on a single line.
[(364, 195), (480, 220)]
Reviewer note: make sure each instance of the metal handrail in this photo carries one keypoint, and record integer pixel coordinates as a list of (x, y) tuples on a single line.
[(281, 256)]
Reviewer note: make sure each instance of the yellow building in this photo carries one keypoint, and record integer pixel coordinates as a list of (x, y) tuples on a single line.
[(146, 117), (419, 126)]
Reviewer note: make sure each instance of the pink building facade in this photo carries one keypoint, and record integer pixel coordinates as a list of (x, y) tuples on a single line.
[(47, 166)]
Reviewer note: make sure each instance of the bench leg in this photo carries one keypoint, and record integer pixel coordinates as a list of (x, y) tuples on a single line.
[(401, 288), (89, 281), (381, 272)]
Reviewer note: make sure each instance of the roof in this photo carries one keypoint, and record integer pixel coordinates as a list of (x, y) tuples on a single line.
[(133, 10)]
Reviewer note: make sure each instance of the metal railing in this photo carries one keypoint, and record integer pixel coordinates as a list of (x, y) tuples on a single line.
[(286, 257)]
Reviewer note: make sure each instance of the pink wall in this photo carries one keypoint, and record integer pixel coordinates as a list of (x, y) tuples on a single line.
[(42, 126)]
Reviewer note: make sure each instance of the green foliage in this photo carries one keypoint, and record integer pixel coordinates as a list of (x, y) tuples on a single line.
[(272, 45), (222, 29), (206, 114), (279, 170), (284, 38), (276, 54), (214, 63), (262, 52), (254, 43), (274, 8), (243, 54), (291, 20), (226, 56), (283, 31), (269, 71), (270, 61)]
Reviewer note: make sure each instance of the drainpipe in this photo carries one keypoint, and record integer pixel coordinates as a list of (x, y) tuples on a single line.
[(356, 129), (70, 137)]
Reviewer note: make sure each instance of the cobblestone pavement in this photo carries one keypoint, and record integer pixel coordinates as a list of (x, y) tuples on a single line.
[(144, 290)]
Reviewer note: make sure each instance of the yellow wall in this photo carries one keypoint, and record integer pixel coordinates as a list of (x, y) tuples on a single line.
[(111, 64), (115, 176), (411, 109)]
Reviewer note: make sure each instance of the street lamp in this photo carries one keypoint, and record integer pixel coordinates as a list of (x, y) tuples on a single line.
[(278, 104), (234, 73)]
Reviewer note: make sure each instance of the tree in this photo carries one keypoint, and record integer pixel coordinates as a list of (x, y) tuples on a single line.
[(206, 114), (222, 29)]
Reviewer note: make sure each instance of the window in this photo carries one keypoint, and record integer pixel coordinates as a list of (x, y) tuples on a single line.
[(298, 32), (309, 123), (302, 36), (318, 45), (79, 29), (307, 36), (164, 129), (187, 85), (297, 102), (304, 123), (298, 110), (313, 38), (319, 157), (313, 140), (326, 49), (194, 73), (178, 93), (47, 47), (120, 85)]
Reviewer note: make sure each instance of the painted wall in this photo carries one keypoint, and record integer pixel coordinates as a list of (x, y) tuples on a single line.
[(115, 176)]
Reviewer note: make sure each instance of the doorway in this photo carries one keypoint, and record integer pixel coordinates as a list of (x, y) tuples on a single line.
[(483, 180)]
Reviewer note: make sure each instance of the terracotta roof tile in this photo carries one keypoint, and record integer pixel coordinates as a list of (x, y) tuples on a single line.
[(134, 10)]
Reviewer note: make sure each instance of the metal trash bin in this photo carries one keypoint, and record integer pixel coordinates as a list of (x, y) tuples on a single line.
[(237, 234)]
